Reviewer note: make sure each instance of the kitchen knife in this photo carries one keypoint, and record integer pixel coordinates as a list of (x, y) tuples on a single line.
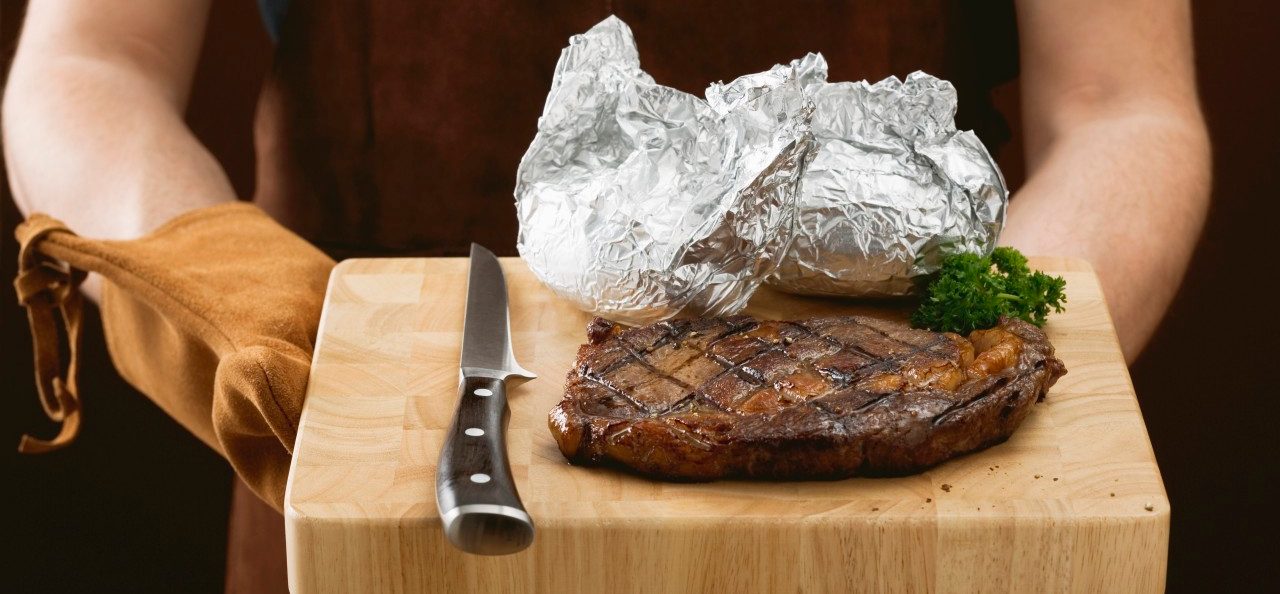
[(479, 506)]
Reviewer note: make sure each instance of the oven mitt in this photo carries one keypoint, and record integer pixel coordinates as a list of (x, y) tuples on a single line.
[(213, 316)]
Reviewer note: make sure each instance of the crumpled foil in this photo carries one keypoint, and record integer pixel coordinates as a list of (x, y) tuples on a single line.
[(893, 189), (637, 201)]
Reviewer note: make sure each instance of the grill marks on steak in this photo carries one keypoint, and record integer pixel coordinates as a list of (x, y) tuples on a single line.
[(708, 398)]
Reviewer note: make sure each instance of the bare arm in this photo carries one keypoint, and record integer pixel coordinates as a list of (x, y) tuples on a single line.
[(93, 116), (1117, 152)]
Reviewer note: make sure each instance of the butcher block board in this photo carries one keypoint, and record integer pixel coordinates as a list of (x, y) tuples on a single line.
[(1073, 502)]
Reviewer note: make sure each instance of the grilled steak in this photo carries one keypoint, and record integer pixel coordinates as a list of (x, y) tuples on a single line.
[(709, 398)]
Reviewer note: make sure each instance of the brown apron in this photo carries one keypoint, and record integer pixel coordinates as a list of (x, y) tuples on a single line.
[(395, 127)]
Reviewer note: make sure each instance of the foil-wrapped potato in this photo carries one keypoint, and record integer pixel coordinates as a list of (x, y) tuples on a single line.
[(638, 202), (892, 189)]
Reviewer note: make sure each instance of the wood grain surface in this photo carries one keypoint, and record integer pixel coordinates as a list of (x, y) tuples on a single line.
[(1073, 502)]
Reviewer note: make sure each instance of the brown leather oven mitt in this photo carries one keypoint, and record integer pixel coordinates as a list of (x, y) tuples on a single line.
[(213, 316)]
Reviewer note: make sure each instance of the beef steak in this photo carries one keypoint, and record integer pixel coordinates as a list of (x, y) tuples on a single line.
[(829, 397)]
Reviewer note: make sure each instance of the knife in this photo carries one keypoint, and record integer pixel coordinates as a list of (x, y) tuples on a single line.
[(479, 505)]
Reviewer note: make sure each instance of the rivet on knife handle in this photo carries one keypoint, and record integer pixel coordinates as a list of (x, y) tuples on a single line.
[(479, 506)]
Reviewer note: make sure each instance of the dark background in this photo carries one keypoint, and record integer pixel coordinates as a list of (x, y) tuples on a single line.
[(139, 504)]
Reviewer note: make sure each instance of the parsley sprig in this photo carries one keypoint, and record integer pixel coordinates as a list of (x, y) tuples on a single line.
[(972, 292)]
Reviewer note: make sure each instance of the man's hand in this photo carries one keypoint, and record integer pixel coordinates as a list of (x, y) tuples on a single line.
[(1117, 151), (93, 116)]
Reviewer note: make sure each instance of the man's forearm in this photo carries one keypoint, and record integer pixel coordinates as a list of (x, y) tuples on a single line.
[(89, 142), (92, 116), (1116, 148), (1128, 192)]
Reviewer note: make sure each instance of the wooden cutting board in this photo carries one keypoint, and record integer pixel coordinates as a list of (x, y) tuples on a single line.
[(1072, 502)]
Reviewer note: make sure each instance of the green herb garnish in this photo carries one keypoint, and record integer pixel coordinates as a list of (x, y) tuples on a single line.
[(972, 292)]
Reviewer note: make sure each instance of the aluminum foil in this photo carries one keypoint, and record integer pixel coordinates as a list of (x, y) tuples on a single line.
[(893, 188), (637, 201)]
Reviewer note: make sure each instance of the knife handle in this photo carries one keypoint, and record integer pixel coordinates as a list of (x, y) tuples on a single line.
[(479, 505)]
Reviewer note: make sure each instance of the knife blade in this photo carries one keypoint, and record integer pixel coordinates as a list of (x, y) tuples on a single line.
[(479, 506)]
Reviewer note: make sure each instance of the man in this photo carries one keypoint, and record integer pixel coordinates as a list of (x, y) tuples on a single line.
[(397, 127)]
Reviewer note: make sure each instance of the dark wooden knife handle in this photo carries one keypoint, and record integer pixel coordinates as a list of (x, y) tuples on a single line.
[(479, 505)]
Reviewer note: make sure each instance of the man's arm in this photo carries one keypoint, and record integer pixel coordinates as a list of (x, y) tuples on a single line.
[(1117, 151), (93, 116)]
